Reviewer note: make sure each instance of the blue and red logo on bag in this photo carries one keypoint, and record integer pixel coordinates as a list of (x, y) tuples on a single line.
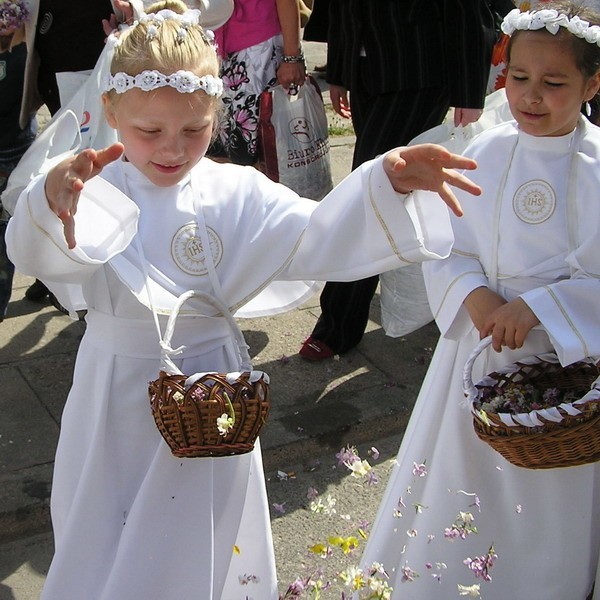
[(84, 126)]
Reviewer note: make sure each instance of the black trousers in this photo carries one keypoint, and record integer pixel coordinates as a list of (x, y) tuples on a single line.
[(381, 122)]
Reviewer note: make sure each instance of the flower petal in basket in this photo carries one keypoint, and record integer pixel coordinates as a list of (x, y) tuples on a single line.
[(548, 436)]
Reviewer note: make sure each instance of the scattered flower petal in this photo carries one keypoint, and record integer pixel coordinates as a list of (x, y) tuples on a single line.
[(408, 574), (481, 566), (469, 590), (279, 508), (312, 493), (419, 470)]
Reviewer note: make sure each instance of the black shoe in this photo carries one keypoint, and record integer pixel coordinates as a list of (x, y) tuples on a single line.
[(57, 305), (37, 291)]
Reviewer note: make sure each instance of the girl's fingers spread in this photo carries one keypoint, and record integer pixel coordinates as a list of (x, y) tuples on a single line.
[(108, 155), (83, 164), (399, 164), (450, 199), (69, 229), (463, 182), (461, 162), (77, 188), (425, 154), (65, 203)]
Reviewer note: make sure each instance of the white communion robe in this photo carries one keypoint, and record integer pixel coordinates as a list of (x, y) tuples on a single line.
[(521, 237), (131, 521)]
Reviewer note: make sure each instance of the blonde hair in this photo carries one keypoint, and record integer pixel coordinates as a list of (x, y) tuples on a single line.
[(164, 50)]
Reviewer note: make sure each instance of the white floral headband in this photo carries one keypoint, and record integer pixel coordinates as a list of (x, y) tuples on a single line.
[(185, 82), (552, 20)]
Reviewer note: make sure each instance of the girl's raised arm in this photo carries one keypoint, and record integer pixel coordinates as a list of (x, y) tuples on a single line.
[(65, 181)]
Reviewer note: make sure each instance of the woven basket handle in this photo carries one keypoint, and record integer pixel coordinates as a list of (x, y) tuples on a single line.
[(166, 349), (468, 386)]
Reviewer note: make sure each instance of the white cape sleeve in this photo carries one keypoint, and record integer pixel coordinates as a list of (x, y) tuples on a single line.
[(364, 227), (570, 312), (448, 283), (105, 224)]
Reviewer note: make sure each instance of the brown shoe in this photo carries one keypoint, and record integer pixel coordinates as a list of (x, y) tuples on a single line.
[(315, 350)]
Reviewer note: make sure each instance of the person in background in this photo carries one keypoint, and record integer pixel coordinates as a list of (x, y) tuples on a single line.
[(15, 136), (260, 48), (60, 37), (317, 27), (395, 68)]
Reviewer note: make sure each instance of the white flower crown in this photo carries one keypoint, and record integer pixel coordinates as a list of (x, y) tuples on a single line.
[(552, 20), (184, 82), (153, 21), (188, 18)]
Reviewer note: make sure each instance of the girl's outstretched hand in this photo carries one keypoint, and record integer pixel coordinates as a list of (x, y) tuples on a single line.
[(65, 181), (430, 167)]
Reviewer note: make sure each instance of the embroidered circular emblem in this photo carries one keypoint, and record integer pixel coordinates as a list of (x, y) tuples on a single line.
[(534, 202), (187, 251)]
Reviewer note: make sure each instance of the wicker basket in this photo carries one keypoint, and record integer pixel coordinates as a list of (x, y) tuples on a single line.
[(187, 409), (564, 436)]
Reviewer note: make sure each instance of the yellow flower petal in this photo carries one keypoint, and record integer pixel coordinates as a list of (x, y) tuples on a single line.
[(320, 549)]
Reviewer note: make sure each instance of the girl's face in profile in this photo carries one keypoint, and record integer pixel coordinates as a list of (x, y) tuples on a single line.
[(544, 87), (165, 132)]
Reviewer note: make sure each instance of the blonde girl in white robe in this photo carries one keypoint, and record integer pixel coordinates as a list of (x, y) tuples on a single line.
[(131, 521), (525, 269)]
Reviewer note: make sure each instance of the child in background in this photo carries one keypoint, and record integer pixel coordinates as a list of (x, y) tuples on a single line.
[(526, 254), (14, 140), (131, 520)]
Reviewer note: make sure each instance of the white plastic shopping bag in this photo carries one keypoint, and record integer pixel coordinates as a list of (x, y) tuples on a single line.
[(293, 140), (77, 125), (403, 299)]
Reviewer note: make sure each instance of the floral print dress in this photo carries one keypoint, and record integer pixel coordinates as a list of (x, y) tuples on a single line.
[(246, 74)]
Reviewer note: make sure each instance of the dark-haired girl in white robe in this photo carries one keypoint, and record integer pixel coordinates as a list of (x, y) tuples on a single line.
[(534, 233)]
